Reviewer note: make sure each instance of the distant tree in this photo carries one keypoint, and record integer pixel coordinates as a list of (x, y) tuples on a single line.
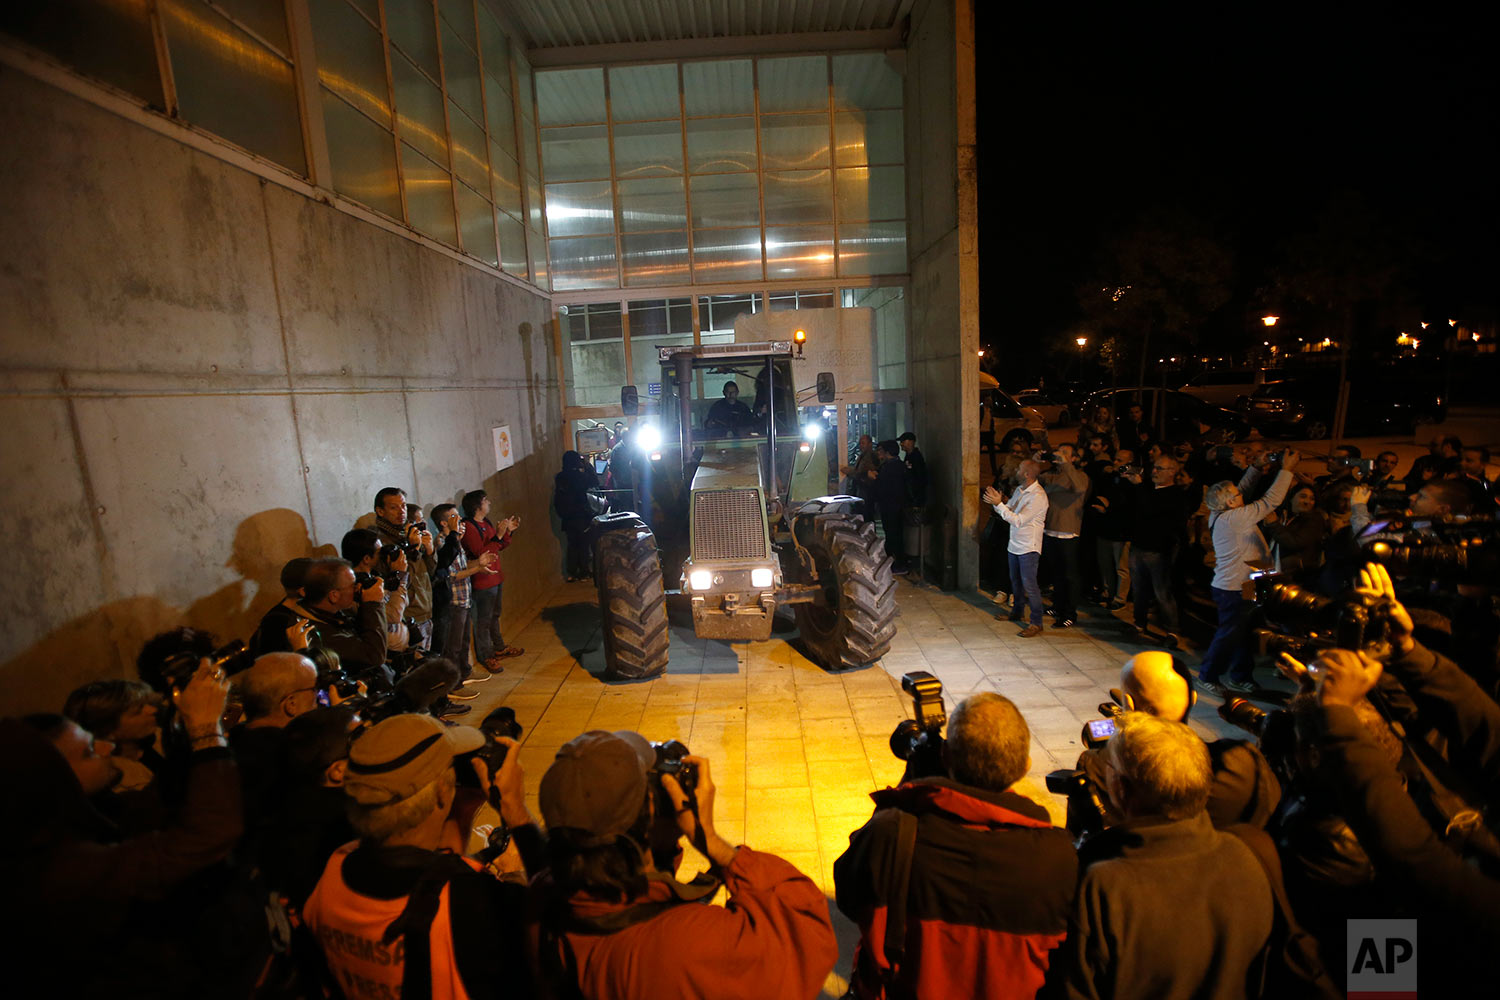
[(1166, 274)]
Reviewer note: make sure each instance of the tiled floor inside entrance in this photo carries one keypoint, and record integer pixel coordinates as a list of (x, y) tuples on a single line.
[(796, 750)]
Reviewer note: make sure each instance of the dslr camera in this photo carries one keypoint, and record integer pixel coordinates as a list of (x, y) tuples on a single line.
[(413, 550), (232, 657), (669, 754), (1304, 623), (500, 722), (1448, 549), (919, 740)]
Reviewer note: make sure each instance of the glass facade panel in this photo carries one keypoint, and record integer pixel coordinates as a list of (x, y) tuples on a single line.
[(584, 262), (429, 196), (351, 60), (505, 181), (718, 144), (725, 200), (792, 141), (363, 156), (781, 301), (476, 220), (720, 87), (575, 154), (494, 46), (799, 252), (654, 324), (470, 160), (419, 109), (500, 113), (645, 149), (652, 203), (798, 196), (412, 27), (232, 85), (726, 255), (461, 75), (266, 18), (798, 83), (641, 92), (570, 96), (717, 313), (585, 209), (594, 364), (536, 250), (868, 137), (460, 15), (872, 248), (865, 80), (512, 244), (654, 258), (109, 42), (872, 193)]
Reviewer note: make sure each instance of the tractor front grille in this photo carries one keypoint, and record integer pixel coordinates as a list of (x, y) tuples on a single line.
[(728, 524)]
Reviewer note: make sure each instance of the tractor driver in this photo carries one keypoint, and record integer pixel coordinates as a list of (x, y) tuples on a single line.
[(729, 414)]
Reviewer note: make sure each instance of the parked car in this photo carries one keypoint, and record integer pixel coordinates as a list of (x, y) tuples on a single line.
[(1170, 412), (1302, 405), (1053, 407), (1223, 388), (1002, 418)]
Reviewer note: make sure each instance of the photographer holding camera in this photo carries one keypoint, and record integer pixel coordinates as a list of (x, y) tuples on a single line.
[(616, 925), (402, 912), (393, 522), (954, 867), (1243, 788), (337, 613), (1238, 548)]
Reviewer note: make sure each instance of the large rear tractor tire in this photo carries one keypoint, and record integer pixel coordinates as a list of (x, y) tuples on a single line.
[(857, 620), (632, 604)]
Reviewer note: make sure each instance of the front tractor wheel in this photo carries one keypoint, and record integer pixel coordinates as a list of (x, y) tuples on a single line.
[(854, 624), (632, 603)]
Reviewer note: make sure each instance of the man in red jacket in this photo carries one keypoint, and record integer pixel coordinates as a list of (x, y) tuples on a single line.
[(481, 536), (620, 928), (987, 880)]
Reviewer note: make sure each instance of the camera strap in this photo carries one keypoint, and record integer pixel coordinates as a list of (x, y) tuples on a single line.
[(414, 925), (895, 914)]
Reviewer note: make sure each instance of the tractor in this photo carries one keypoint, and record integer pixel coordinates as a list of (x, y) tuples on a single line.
[(734, 513)]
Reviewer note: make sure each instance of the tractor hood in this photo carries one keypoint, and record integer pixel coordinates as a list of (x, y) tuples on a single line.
[(729, 465)]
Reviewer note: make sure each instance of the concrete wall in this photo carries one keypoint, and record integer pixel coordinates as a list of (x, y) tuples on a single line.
[(203, 374), (942, 242)]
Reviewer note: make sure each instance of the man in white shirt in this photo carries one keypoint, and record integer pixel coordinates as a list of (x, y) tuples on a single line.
[(1026, 513)]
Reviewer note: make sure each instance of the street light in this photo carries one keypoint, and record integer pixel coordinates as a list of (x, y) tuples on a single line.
[(1081, 341), (1269, 320), (981, 352)]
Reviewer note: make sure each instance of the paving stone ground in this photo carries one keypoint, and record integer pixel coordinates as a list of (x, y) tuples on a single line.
[(795, 750)]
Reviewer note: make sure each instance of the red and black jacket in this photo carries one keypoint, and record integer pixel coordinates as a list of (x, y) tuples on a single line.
[(991, 885)]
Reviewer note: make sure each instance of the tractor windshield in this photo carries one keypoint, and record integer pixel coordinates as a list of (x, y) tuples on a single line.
[(732, 398)]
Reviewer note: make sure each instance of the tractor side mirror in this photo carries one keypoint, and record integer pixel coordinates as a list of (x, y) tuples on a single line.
[(630, 400), (826, 387)]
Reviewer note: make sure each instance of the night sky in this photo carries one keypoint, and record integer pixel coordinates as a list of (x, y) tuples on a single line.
[(1091, 121)]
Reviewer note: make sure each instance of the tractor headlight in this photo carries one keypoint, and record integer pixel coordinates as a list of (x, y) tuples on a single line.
[(811, 432), (700, 579), (647, 438), (760, 577)]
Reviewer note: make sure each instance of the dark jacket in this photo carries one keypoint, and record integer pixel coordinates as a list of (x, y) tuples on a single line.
[(570, 489), (358, 637), (1160, 517), (1117, 498), (990, 887), (1299, 542), (1244, 788), (81, 896), (1167, 910), (889, 491), (916, 477)]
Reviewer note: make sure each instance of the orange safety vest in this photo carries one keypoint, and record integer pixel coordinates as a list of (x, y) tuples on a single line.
[(350, 927)]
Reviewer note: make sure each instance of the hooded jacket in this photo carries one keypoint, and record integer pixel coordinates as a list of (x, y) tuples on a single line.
[(988, 897)]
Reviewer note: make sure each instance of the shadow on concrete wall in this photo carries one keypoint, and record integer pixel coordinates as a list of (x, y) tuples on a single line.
[(105, 642)]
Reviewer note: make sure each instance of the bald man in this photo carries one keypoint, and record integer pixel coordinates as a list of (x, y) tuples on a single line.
[(1244, 788), (276, 689)]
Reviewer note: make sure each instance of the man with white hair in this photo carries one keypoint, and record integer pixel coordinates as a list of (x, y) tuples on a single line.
[(1238, 548), (1136, 931)]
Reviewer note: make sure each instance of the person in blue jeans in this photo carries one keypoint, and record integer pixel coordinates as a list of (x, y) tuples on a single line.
[(1026, 513), (1239, 548)]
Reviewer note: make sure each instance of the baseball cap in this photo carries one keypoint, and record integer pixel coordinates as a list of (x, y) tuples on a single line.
[(596, 786), (400, 756)]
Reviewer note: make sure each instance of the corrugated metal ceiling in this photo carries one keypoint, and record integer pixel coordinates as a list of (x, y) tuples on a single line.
[(566, 23)]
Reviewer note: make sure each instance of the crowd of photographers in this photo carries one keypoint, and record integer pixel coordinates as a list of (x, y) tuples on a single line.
[(302, 816)]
